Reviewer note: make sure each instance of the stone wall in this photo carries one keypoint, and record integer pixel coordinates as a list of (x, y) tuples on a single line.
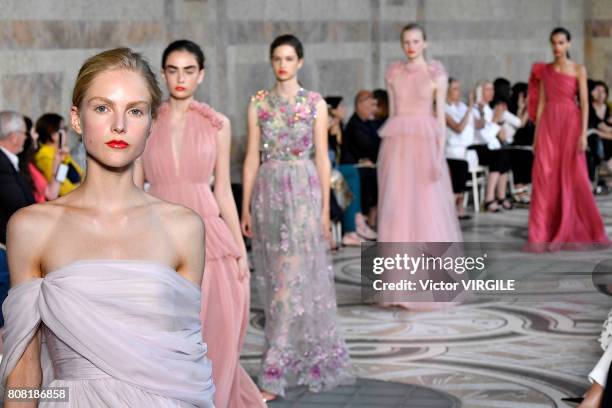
[(348, 42), (598, 44)]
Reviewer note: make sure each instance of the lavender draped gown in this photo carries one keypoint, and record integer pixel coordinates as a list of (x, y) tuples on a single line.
[(116, 333)]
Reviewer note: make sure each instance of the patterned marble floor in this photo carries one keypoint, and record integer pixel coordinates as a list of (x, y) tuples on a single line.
[(485, 353)]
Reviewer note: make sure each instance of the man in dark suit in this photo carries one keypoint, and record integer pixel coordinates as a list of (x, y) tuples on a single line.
[(15, 192), (360, 147), (361, 140)]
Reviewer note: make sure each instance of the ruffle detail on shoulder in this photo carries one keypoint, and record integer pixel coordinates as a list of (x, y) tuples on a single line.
[(219, 240), (259, 95), (313, 97), (436, 69), (393, 70), (533, 89), (207, 112)]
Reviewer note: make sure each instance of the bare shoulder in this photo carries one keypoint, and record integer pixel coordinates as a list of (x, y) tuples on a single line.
[(186, 232), (224, 119), (182, 223), (580, 69), (35, 221), (28, 232), (225, 133)]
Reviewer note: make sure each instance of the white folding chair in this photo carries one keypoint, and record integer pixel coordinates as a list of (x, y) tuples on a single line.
[(477, 182)]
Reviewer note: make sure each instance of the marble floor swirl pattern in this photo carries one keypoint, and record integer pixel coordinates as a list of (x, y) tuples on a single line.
[(484, 353)]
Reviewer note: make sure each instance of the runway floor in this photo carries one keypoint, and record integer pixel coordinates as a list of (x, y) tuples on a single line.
[(484, 353)]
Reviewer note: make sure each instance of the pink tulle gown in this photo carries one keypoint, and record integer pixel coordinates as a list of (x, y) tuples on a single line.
[(563, 213), (225, 300), (415, 197), (413, 204)]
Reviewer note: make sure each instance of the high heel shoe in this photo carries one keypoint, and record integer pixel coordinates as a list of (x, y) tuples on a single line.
[(505, 203), (351, 239), (363, 229), (267, 397), (488, 206)]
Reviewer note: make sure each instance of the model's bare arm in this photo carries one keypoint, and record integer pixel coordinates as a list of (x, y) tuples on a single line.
[(25, 246), (223, 192), (250, 168)]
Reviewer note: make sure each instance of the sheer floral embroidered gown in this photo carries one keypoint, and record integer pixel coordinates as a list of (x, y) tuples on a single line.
[(292, 266), (225, 299)]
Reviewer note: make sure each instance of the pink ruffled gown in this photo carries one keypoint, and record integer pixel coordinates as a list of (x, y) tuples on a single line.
[(413, 204), (225, 300), (415, 197), (563, 213)]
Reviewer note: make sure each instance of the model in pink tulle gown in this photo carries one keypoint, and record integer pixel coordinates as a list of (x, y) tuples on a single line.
[(415, 197), (225, 299), (563, 213)]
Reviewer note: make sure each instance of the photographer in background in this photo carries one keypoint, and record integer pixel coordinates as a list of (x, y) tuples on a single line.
[(51, 131)]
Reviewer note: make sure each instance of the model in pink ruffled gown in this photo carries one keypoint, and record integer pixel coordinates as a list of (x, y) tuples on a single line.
[(186, 179), (415, 197), (563, 213)]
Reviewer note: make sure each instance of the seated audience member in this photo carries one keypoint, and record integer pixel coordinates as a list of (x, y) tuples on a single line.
[(15, 192), (354, 226), (382, 108), (488, 145), (360, 146), (41, 189), (599, 395), (600, 129), (510, 123), (336, 113), (521, 154), (52, 136), (459, 136)]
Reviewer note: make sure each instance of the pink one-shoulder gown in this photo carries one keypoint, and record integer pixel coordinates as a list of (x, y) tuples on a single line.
[(563, 213)]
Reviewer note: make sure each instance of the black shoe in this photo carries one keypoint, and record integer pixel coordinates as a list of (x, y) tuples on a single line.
[(464, 217), (505, 203), (576, 400), (488, 204)]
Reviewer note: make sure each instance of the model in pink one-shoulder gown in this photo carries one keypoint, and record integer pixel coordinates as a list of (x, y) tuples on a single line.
[(563, 213), (225, 299)]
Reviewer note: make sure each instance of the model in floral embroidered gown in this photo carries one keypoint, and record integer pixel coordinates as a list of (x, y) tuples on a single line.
[(289, 199), (190, 142)]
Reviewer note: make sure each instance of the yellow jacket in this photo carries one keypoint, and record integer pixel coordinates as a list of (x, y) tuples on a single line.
[(44, 162)]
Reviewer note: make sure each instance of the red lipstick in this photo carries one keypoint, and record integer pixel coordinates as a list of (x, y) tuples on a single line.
[(179, 88), (117, 144), (281, 72)]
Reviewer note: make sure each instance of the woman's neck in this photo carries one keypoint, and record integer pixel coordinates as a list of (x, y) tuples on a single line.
[(180, 106), (287, 89), (108, 189), (561, 61), (420, 60)]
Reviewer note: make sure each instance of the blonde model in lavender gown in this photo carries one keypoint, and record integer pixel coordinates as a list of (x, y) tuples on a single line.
[(415, 197), (287, 192), (105, 280), (189, 143)]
